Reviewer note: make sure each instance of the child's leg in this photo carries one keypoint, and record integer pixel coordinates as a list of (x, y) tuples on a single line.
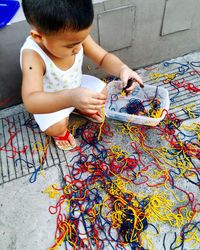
[(105, 90), (58, 130), (55, 125), (99, 116)]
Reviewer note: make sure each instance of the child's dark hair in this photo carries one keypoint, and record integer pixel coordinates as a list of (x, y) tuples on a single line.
[(51, 16)]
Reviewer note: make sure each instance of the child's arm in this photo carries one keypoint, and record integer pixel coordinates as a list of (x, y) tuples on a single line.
[(37, 101), (110, 63)]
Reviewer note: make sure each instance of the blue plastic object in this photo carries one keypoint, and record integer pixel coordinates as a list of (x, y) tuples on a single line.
[(8, 8)]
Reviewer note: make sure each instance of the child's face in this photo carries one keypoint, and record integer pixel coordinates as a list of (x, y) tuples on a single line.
[(64, 43)]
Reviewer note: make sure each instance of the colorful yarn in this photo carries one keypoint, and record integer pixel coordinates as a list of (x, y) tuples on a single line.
[(167, 77), (119, 196), (135, 107), (9, 143), (39, 147), (118, 208)]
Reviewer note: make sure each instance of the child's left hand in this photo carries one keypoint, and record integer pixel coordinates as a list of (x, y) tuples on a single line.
[(125, 74)]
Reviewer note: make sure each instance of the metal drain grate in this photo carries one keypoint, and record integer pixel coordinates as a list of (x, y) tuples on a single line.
[(180, 98), (15, 136)]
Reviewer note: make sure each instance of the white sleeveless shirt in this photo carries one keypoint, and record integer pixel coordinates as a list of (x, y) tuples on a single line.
[(56, 79)]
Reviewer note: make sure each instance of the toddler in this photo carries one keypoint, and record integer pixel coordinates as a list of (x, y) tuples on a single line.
[(51, 60)]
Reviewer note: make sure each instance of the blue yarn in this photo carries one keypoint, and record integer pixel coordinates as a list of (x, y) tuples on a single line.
[(33, 177), (134, 107), (182, 69)]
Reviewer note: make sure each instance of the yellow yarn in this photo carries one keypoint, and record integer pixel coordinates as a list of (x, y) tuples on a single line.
[(67, 230), (101, 126), (39, 147), (52, 192), (156, 76), (160, 208)]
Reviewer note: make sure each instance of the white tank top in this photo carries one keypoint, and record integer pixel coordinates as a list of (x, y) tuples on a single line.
[(56, 79)]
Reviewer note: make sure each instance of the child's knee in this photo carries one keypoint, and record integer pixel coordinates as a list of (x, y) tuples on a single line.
[(57, 129), (105, 91)]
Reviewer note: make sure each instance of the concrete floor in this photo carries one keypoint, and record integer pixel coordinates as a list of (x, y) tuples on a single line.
[(25, 221)]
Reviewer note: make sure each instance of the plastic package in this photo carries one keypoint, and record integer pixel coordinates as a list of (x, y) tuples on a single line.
[(115, 103), (8, 8)]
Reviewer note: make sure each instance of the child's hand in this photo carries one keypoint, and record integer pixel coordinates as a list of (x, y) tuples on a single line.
[(125, 74), (87, 101)]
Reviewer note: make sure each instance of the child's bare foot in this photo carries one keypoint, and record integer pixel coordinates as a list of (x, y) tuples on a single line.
[(97, 118), (66, 141)]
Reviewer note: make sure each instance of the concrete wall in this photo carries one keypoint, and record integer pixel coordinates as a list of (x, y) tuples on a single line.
[(140, 32)]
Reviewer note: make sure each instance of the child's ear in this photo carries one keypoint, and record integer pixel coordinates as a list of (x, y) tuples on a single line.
[(37, 36)]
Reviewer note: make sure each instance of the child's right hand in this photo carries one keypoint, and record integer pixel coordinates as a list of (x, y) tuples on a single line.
[(87, 101)]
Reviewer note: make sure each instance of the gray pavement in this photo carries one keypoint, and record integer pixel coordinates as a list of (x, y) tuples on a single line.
[(27, 224)]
